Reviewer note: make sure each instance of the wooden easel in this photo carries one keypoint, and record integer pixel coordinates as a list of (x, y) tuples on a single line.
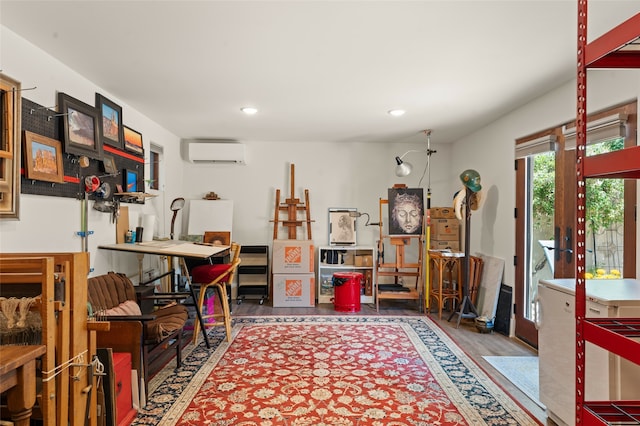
[(292, 206), (400, 267)]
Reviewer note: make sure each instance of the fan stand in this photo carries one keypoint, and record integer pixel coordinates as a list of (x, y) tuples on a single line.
[(467, 309)]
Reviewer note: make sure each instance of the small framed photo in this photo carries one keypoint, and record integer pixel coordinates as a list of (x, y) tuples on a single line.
[(130, 178), (42, 158), (80, 127), (133, 141), (217, 238), (109, 164), (110, 123), (342, 227)]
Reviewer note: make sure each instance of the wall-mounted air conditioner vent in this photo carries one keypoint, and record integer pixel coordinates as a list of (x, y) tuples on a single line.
[(202, 151)]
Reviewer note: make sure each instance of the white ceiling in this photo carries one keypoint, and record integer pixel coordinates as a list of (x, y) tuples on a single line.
[(317, 70)]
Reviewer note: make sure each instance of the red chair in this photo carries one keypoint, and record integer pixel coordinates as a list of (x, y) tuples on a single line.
[(218, 277)]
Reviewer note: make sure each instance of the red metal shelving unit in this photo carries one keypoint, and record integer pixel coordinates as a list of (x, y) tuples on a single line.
[(618, 48)]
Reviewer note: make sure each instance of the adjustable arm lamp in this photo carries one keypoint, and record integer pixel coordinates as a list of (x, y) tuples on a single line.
[(358, 214), (404, 168)]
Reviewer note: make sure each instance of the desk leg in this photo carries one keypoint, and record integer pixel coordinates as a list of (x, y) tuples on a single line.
[(22, 397), (169, 281), (185, 271), (140, 259)]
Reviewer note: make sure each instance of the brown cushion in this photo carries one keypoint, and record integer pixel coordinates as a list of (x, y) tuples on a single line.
[(128, 307), (168, 319), (111, 290)]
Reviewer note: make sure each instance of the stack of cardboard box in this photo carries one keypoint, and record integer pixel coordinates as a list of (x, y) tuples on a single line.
[(293, 273), (445, 229)]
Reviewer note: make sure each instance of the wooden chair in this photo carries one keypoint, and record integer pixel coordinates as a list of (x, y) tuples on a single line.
[(217, 277)]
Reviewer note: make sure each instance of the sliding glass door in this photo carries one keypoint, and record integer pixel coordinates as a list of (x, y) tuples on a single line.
[(546, 213)]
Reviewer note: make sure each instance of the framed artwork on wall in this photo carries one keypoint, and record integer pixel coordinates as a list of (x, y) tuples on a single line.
[(10, 110), (109, 164), (342, 227), (406, 211), (42, 158), (80, 127), (130, 178), (133, 141), (218, 238), (110, 123)]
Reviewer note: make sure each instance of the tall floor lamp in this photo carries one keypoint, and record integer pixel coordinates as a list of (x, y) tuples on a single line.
[(403, 169), (471, 180)]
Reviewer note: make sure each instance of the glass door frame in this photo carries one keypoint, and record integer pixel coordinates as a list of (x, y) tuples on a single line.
[(565, 217)]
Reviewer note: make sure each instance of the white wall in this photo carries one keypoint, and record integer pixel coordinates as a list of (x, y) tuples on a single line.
[(491, 152), (336, 175), (49, 224)]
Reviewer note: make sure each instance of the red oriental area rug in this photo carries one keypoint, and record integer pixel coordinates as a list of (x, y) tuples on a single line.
[(332, 371)]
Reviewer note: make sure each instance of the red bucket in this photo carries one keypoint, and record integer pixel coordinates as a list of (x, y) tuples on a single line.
[(346, 291)]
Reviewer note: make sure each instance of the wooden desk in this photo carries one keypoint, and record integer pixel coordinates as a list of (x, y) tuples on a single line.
[(18, 379), (442, 262), (179, 249)]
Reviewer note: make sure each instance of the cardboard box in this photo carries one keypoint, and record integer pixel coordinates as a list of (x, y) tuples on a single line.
[(294, 290), (444, 244), (292, 257), (442, 213), (445, 229), (363, 260)]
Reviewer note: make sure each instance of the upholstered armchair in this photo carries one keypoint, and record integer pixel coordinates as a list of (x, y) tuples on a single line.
[(112, 297)]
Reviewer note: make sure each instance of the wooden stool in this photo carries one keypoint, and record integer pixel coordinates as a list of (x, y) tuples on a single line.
[(438, 291)]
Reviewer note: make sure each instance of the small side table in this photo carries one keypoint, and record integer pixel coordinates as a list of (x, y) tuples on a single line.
[(442, 262)]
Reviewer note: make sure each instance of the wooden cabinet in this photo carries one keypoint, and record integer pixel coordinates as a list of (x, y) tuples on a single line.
[(332, 259), (607, 376), (253, 272)]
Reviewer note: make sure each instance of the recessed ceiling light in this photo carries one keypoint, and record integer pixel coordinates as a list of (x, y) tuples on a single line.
[(249, 110), (396, 112)]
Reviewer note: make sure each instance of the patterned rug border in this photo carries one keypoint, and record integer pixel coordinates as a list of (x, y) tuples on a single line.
[(466, 383)]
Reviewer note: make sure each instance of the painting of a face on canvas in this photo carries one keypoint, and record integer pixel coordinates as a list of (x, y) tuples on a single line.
[(406, 211)]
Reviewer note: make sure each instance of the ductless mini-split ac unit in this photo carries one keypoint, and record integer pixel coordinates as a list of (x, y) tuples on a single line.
[(202, 151)]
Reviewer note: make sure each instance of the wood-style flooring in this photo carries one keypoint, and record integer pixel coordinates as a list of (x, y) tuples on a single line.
[(474, 344)]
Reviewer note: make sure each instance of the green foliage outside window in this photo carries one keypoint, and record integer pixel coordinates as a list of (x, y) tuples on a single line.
[(605, 197)]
